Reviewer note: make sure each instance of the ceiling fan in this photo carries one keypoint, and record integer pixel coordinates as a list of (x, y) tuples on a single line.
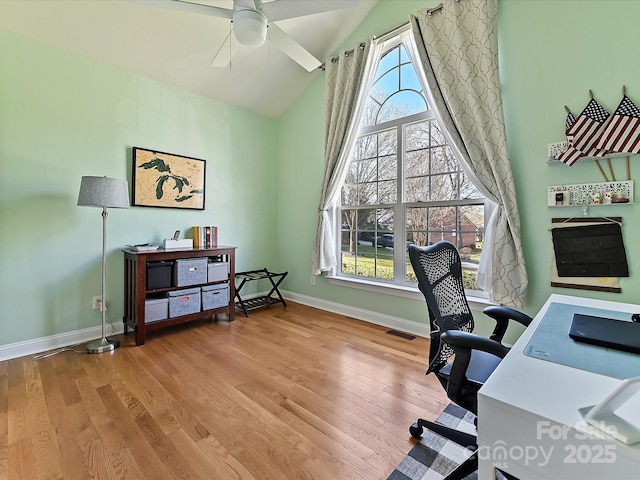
[(250, 20)]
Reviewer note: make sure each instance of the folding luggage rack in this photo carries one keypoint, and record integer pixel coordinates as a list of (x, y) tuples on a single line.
[(262, 301)]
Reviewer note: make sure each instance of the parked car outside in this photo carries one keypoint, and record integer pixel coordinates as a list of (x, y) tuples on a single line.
[(386, 241)]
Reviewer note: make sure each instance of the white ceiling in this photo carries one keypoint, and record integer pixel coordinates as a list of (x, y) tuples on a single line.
[(177, 48)]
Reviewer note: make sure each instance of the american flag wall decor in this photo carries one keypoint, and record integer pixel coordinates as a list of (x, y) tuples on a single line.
[(597, 134), (583, 133), (621, 131)]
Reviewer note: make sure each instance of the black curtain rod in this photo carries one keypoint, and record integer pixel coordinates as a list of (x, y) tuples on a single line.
[(430, 12), (362, 45)]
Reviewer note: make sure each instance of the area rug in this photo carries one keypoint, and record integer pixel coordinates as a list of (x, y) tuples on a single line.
[(433, 456)]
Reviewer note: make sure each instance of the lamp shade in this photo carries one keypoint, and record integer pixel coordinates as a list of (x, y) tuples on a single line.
[(249, 27), (103, 192)]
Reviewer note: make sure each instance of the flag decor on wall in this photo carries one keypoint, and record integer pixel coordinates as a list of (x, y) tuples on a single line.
[(621, 131), (570, 120), (596, 134), (583, 133)]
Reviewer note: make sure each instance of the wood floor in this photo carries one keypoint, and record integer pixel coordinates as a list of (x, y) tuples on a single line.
[(289, 393)]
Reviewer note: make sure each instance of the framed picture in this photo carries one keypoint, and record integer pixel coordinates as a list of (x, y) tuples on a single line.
[(163, 179)]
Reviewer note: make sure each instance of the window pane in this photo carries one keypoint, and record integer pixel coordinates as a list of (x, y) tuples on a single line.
[(401, 104), (349, 195), (388, 61), (467, 189), (443, 160), (388, 168), (409, 79), (444, 187), (423, 165), (362, 253), (388, 142), (367, 194), (367, 170), (462, 226), (416, 135), (387, 192), (372, 108), (437, 138), (472, 226), (367, 147), (417, 163), (416, 189), (384, 245)]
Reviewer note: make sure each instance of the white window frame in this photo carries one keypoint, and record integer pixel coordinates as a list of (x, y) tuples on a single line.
[(477, 299)]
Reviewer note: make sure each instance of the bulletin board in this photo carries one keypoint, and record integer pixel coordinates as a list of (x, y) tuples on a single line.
[(588, 254)]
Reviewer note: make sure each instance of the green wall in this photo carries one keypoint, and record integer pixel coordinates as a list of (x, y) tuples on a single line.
[(551, 54), (63, 116)]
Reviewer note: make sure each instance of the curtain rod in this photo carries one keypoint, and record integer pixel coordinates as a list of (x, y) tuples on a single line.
[(394, 30), (361, 46), (431, 11)]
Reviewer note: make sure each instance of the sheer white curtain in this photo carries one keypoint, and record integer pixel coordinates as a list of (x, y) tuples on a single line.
[(346, 77), (458, 49)]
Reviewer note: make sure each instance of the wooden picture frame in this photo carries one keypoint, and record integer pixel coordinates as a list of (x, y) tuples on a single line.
[(161, 179)]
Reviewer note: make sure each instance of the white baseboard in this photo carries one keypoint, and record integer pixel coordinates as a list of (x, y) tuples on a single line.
[(44, 344), (407, 326)]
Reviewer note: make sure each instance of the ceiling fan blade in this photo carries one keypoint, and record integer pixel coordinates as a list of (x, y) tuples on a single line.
[(283, 9), (225, 53), (185, 6), (292, 48), (251, 4)]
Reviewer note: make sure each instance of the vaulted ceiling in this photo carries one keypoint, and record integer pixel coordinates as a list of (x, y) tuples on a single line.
[(177, 47)]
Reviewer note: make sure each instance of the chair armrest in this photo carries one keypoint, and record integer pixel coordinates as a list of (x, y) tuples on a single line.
[(502, 315), (460, 340), (463, 344)]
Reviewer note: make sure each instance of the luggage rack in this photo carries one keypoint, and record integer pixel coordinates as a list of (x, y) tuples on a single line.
[(262, 301)]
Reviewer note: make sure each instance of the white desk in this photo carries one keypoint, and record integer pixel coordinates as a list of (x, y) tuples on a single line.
[(528, 419)]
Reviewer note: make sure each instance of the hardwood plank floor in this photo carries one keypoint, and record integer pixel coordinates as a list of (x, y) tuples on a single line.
[(290, 393)]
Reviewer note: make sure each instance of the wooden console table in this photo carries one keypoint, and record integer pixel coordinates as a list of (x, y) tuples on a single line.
[(136, 292)]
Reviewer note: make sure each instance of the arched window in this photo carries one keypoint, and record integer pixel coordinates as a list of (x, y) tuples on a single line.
[(404, 183)]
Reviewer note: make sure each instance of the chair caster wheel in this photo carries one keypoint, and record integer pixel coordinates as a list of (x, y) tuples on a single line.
[(415, 430)]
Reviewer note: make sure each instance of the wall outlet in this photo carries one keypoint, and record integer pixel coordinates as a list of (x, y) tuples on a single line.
[(96, 302), (313, 279)]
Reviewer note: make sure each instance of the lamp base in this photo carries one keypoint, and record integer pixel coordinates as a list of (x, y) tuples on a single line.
[(103, 345)]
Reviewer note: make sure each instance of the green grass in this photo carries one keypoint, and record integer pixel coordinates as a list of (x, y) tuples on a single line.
[(382, 266)]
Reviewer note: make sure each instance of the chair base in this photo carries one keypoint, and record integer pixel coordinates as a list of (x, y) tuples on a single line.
[(463, 439)]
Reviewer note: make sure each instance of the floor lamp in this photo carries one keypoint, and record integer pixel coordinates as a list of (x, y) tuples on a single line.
[(105, 193)]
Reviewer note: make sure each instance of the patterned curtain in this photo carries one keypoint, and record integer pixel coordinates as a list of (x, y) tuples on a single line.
[(458, 48), (344, 78)]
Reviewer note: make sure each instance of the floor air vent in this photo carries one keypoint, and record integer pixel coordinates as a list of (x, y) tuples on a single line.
[(406, 336)]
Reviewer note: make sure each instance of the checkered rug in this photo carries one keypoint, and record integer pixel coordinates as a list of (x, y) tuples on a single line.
[(434, 456)]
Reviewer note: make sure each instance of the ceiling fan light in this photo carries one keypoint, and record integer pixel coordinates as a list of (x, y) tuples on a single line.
[(249, 27)]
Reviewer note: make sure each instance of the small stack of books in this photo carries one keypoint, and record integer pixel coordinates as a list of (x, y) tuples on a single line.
[(205, 237)]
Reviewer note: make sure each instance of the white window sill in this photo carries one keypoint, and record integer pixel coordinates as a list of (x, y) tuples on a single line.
[(475, 302)]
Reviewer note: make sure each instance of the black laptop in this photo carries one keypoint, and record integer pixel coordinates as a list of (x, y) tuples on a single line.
[(606, 332)]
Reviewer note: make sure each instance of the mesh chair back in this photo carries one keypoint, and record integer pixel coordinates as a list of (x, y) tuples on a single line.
[(439, 272)]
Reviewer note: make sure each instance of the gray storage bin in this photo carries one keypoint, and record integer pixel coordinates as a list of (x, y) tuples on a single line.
[(156, 309), (190, 271), (217, 271), (184, 302), (215, 296)]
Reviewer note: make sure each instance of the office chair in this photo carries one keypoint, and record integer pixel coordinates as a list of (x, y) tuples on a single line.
[(439, 272)]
